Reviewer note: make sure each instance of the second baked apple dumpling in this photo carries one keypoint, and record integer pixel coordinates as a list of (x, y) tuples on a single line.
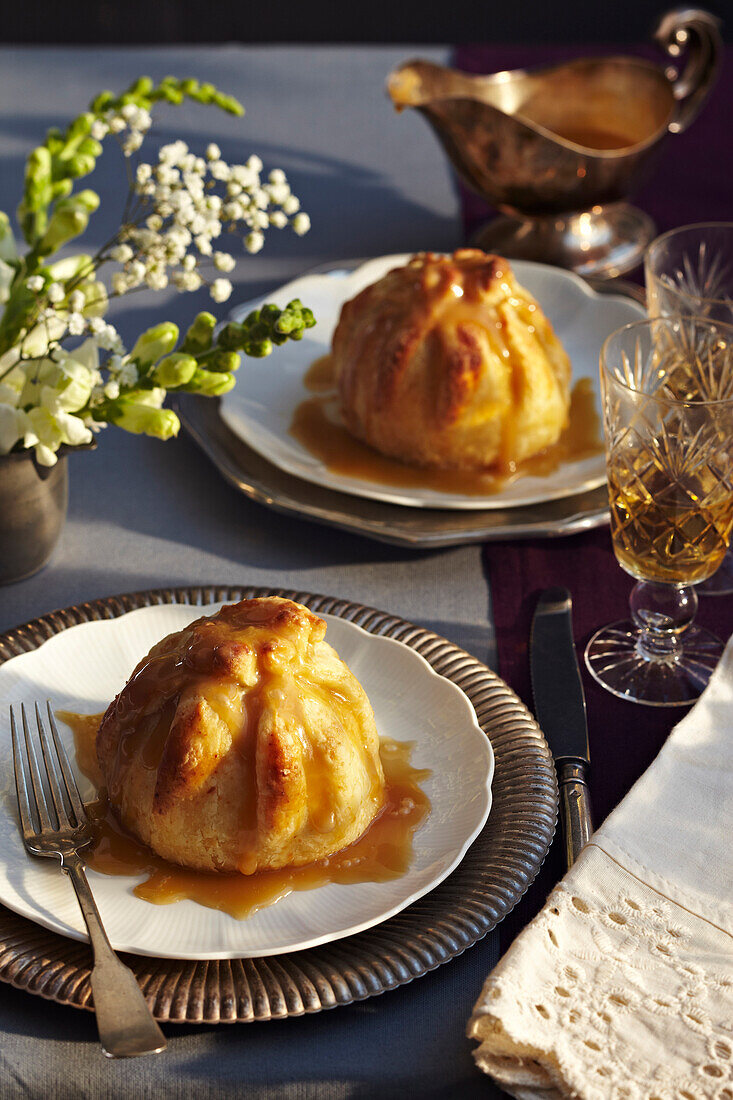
[(448, 362)]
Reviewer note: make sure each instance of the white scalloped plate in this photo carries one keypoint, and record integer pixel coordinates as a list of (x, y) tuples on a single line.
[(260, 407), (84, 667)]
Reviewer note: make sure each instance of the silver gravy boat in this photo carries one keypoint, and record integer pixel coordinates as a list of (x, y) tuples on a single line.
[(557, 149)]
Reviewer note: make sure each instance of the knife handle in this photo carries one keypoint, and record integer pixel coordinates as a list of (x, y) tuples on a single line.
[(577, 824)]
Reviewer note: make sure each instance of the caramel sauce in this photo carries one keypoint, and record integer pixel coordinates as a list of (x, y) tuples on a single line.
[(595, 137), (382, 853), (317, 426)]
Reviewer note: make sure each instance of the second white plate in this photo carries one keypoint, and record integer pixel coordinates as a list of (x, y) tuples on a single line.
[(260, 407)]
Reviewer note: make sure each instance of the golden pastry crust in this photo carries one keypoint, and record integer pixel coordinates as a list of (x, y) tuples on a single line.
[(449, 362), (243, 742)]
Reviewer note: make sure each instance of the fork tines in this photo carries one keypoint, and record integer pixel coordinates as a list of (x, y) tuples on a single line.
[(38, 813)]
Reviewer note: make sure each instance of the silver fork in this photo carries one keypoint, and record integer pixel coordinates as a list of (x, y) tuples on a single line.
[(59, 828)]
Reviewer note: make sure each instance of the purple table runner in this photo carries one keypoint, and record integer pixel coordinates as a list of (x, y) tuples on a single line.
[(690, 182), (624, 737)]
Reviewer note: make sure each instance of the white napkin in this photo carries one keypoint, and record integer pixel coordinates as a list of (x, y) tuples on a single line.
[(623, 985)]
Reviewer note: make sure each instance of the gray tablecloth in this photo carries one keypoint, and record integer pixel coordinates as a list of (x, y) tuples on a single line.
[(145, 514)]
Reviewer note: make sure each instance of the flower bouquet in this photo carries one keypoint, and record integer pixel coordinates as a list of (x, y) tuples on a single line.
[(64, 371)]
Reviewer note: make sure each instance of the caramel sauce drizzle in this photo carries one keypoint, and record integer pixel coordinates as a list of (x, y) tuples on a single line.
[(382, 853), (317, 426)]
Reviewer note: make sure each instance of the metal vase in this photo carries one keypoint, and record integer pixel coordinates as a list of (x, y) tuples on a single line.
[(33, 503)]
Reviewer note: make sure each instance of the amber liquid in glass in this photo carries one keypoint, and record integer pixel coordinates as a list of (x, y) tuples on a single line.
[(383, 852), (666, 526)]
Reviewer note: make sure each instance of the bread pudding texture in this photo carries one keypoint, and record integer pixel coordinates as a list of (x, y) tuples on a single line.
[(243, 743), (448, 362)]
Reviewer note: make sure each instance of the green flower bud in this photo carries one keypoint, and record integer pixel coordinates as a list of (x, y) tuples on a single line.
[(61, 189), (210, 383), (199, 336), (221, 360), (175, 370), (90, 147), (151, 345), (258, 349), (80, 126), (78, 166), (101, 102), (232, 336), (69, 267), (142, 419), (143, 86), (7, 242), (70, 218)]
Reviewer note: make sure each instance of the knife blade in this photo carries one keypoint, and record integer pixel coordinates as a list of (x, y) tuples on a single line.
[(560, 711)]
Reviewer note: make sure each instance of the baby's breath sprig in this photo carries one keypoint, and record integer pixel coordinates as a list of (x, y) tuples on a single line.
[(176, 211)]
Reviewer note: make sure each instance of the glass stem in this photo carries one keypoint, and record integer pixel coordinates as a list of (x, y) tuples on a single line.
[(662, 613)]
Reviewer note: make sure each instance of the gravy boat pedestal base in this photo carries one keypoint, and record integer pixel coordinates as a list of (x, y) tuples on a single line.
[(604, 241)]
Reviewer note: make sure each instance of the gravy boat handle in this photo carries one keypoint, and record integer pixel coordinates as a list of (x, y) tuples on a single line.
[(697, 33)]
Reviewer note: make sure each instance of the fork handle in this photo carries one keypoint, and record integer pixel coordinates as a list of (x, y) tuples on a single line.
[(125, 1024)]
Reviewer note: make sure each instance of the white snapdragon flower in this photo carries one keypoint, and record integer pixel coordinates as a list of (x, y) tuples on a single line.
[(12, 427), (223, 261), (254, 241), (35, 283), (301, 224), (220, 290)]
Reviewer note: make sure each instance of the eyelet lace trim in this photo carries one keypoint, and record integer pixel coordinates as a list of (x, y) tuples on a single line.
[(612, 991)]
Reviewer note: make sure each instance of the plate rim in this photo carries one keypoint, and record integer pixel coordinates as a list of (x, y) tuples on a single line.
[(452, 858), (353, 487), (493, 876)]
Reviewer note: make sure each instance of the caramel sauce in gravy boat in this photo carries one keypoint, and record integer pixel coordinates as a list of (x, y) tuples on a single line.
[(558, 149)]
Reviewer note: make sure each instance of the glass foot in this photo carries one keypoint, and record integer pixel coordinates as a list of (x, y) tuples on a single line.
[(616, 660), (721, 582)]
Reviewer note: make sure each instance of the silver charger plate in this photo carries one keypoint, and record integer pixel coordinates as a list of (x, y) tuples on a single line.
[(489, 882), (260, 480)]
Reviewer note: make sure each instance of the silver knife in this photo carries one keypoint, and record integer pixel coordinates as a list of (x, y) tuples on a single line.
[(560, 711)]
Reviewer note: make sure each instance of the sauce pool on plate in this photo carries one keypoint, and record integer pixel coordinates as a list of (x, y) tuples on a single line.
[(317, 426), (384, 851)]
